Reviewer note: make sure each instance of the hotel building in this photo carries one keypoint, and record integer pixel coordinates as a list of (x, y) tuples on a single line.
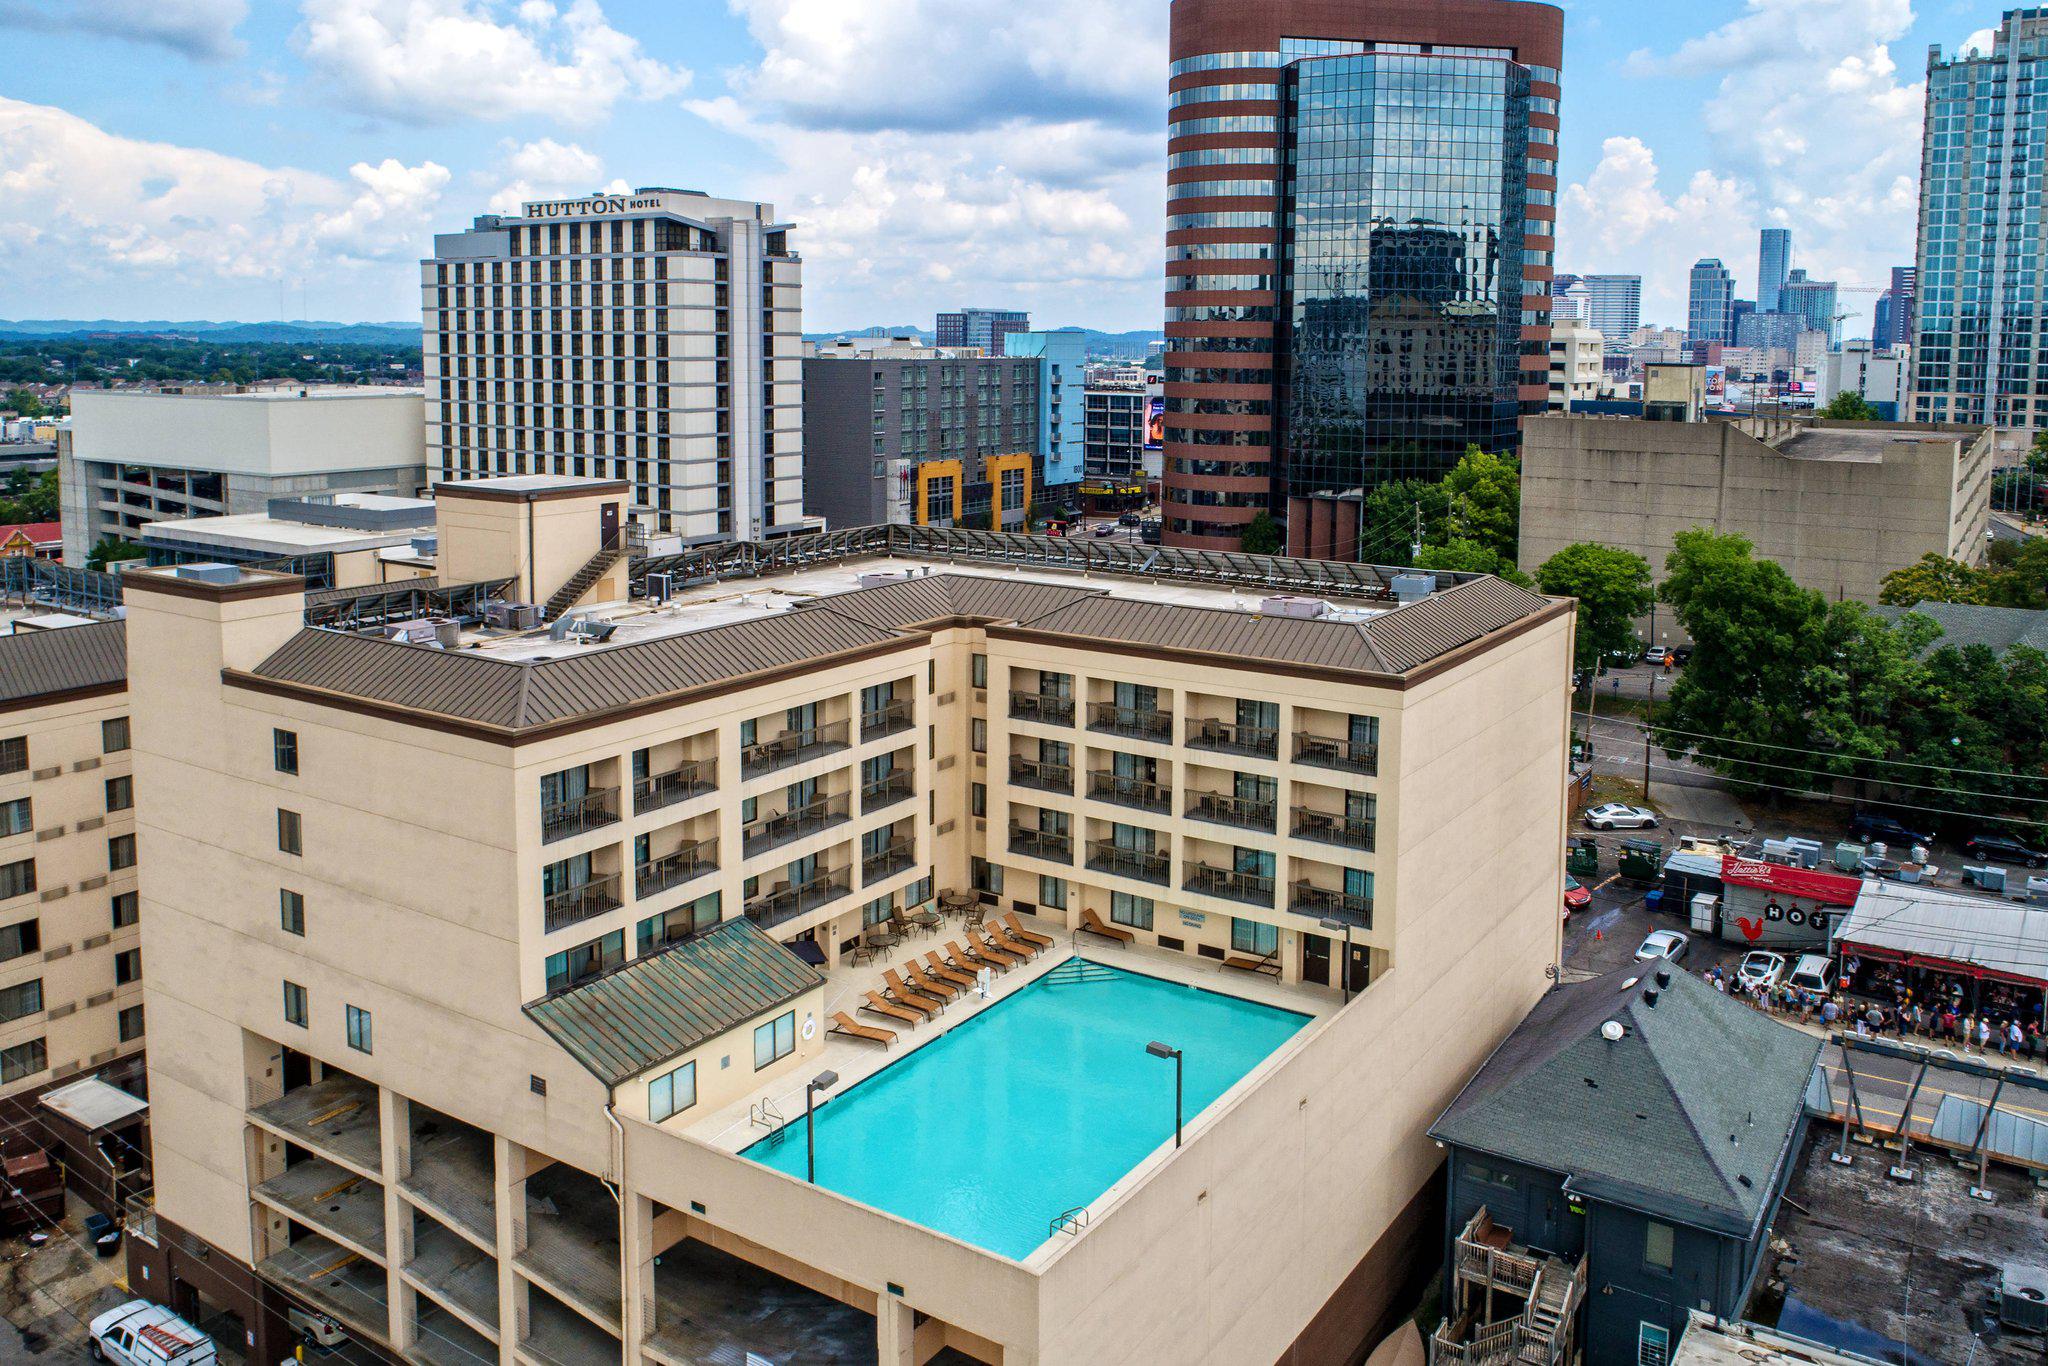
[(475, 970), (1360, 225), (653, 338)]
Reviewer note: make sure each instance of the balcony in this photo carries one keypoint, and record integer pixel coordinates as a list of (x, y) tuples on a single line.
[(1246, 813), (885, 792), (1305, 898), (334, 1117), (1133, 723), (574, 904), (888, 862), (787, 902), (330, 1200), (1349, 832), (772, 832), (1106, 786), (1142, 864), (792, 747), (673, 870), (892, 719), (1222, 737), (595, 808), (1343, 755), (1206, 879), (692, 778), (1041, 709), (1042, 776), (1053, 848)]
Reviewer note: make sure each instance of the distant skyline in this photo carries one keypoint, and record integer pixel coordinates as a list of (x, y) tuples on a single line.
[(220, 159)]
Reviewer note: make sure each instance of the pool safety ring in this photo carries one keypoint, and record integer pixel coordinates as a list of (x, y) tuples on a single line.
[(810, 1028)]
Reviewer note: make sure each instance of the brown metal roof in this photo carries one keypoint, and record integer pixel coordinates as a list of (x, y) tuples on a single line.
[(659, 1007), (63, 659), (1412, 636), (930, 597), (1248, 636)]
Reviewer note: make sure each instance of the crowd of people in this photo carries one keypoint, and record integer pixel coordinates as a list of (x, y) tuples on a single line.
[(2002, 1023)]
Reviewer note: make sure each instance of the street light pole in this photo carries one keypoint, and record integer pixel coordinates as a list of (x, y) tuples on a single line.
[(1160, 1050), (824, 1081), (1344, 967)]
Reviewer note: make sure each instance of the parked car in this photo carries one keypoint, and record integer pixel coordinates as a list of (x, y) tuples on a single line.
[(1682, 654), (1999, 849), (1128, 519), (1576, 897), (1664, 944), (139, 1333), (1621, 816), (1105, 529), (1656, 654), (1814, 972), (1761, 968), (1624, 658), (1876, 825)]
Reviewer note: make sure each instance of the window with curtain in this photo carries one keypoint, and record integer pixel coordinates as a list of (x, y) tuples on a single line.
[(1134, 911), (774, 1040)]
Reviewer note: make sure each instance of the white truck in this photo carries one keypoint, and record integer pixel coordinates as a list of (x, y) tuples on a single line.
[(143, 1334)]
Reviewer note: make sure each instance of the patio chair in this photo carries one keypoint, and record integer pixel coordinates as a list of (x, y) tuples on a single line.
[(1017, 931), (971, 960), (1092, 924), (928, 984), (998, 939), (990, 948), (916, 1000), (842, 1023), (946, 972), (876, 1003)]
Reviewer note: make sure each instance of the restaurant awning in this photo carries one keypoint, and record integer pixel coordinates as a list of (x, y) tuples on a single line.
[(1973, 936)]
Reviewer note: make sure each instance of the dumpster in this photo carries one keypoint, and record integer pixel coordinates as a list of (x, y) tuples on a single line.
[(1641, 860), (1582, 857)]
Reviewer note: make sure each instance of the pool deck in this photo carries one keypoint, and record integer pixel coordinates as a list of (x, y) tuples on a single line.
[(732, 1129)]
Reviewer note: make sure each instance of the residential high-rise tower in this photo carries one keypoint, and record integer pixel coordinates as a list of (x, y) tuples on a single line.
[(1614, 305), (1904, 291), (1773, 264), (1708, 312), (982, 327)]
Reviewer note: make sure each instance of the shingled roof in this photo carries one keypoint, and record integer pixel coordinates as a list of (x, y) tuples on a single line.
[(659, 1007), (1689, 1115), (1965, 624), (66, 659)]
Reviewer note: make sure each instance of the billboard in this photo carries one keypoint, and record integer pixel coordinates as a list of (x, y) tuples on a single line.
[(1155, 423)]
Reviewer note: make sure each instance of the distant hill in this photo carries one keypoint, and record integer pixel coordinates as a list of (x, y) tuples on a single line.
[(328, 333), (1119, 344)]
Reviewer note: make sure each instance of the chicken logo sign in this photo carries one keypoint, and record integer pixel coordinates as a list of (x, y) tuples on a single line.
[(1752, 928)]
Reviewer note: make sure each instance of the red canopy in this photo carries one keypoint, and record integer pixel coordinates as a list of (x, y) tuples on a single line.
[(1832, 889)]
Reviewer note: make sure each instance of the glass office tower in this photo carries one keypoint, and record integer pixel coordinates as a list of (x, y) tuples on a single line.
[(1773, 265)]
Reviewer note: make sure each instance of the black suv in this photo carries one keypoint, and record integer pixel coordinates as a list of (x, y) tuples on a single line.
[(1999, 849), (1875, 825)]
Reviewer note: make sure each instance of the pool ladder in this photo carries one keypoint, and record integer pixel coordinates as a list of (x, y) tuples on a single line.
[(768, 1117), (1068, 1221), (1079, 970)]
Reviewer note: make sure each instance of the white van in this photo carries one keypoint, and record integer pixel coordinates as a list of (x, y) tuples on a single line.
[(143, 1334), (1815, 973)]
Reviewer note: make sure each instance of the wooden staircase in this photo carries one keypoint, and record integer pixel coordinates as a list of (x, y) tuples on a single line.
[(579, 583)]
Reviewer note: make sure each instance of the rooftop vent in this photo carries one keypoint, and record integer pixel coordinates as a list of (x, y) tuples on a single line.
[(1293, 605), (1613, 1031), (1650, 998), (1409, 588), (1663, 977)]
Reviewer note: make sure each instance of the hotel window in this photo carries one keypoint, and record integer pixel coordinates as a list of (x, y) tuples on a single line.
[(16, 940), (775, 1040), (980, 671), (120, 853), (17, 879), (288, 833), (1249, 936), (977, 735), (1657, 1245), (1134, 911), (120, 793), (23, 1060), (284, 750), (978, 798), (877, 911), (672, 1093), (986, 876), (358, 1026), (131, 1024), (291, 911), (14, 754), (673, 926), (127, 909), (585, 961), (114, 735), (15, 817), (127, 967), (25, 999), (1052, 892)]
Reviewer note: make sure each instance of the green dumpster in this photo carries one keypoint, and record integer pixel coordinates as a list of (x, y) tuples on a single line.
[(1582, 857), (1641, 860)]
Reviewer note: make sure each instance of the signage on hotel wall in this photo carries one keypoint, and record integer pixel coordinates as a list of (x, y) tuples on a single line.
[(578, 208), (1831, 889)]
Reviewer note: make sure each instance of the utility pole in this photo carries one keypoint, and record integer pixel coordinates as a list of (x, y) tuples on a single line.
[(1646, 736), (1415, 548)]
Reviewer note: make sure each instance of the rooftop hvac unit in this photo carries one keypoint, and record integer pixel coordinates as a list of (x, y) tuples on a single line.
[(2023, 1298), (661, 587), (1293, 605), (1806, 852), (419, 632), (1985, 876), (512, 616), (879, 577), (2037, 891), (1413, 587)]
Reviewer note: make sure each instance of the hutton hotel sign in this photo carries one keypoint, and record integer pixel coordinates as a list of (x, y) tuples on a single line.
[(578, 208)]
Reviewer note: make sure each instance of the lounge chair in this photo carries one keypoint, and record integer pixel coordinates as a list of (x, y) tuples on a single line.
[(1017, 931), (928, 984), (1267, 964), (1092, 924), (916, 1000), (972, 959), (988, 946), (946, 972), (878, 1004), (842, 1023), (992, 933)]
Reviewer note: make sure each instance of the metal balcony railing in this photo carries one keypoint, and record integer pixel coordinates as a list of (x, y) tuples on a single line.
[(1106, 786), (1224, 737), (887, 720), (1142, 864), (599, 806), (1043, 776), (1043, 844), (900, 854), (581, 902), (1136, 723), (691, 778), (1351, 832), (1043, 708), (1305, 898), (673, 870), (772, 832), (1324, 752), (885, 792), (793, 747), (1206, 879), (1246, 813), (788, 901)]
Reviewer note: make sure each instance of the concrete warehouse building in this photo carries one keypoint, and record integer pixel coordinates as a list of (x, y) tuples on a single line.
[(487, 976), (1838, 504)]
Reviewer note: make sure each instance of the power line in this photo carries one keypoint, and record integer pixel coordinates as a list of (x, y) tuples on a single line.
[(1824, 754)]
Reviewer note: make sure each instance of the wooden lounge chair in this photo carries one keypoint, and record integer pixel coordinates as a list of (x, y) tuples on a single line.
[(876, 1003), (1092, 924), (946, 972), (992, 934), (1018, 932), (916, 1000), (931, 986), (1267, 964), (972, 959), (989, 948), (842, 1023)]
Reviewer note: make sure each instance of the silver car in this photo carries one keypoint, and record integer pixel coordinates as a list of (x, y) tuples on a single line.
[(1664, 944), (1621, 816)]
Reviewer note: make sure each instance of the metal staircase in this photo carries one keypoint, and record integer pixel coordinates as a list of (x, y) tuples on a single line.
[(579, 583)]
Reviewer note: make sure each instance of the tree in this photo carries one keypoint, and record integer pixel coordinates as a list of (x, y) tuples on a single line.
[(1399, 513), (111, 550), (1485, 502), (29, 497), (1932, 578), (1261, 535), (2037, 456), (2016, 574), (1849, 406), (1613, 589), (1469, 557), (23, 402)]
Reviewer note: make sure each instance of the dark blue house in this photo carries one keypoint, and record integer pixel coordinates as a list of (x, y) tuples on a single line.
[(1613, 1166)]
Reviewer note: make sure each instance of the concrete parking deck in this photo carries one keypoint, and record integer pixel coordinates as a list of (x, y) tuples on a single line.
[(341, 1284), (336, 1116), (455, 1270), (713, 1307), (334, 1200)]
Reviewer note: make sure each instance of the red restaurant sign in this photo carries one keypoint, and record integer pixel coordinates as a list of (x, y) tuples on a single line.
[(1831, 889)]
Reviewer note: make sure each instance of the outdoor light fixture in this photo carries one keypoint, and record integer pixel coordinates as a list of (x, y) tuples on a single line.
[(1344, 968), (1160, 1050), (824, 1081)]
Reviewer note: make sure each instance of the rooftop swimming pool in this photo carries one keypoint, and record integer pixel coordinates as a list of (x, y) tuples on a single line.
[(1035, 1106)]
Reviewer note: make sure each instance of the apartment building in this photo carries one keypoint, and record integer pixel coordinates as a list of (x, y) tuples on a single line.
[(492, 984), (70, 945), (1576, 364)]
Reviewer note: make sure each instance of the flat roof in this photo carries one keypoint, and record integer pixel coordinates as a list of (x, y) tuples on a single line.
[(259, 531), (289, 394), (93, 1104)]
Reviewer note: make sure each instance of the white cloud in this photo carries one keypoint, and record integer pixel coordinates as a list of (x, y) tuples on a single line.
[(1621, 218), (203, 29), (436, 61), (1984, 40), (391, 215), (541, 170)]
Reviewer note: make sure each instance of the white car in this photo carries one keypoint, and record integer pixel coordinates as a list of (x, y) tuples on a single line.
[(1814, 972), (1621, 816), (1663, 944), (1761, 968), (139, 1333)]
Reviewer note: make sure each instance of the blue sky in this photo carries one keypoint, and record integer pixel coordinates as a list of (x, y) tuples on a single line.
[(257, 158)]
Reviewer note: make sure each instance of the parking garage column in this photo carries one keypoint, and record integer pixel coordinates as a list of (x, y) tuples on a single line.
[(895, 1331), (509, 1160), (636, 1252), (394, 1126)]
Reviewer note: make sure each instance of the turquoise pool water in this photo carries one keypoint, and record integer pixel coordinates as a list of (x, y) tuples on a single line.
[(1034, 1106)]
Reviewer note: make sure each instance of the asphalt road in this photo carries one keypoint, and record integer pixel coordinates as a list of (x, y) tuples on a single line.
[(1884, 1083)]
